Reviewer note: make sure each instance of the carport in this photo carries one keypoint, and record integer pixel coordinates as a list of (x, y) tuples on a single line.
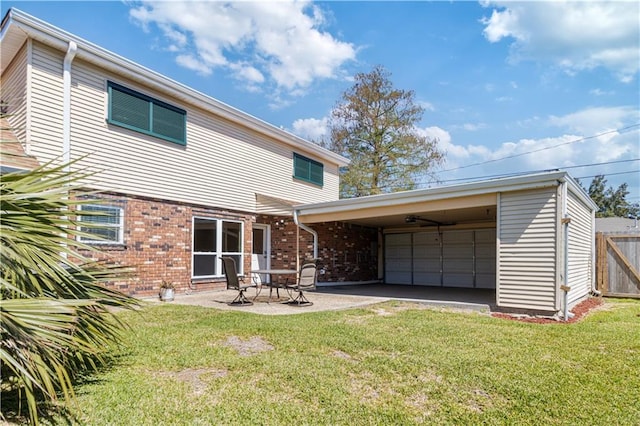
[(523, 237)]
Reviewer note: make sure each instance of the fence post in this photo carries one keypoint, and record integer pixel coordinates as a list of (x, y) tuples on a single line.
[(601, 263)]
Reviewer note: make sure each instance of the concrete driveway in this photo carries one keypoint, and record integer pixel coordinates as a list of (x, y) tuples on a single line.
[(342, 297)]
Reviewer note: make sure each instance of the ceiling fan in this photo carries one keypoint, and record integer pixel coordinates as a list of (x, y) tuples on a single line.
[(415, 219)]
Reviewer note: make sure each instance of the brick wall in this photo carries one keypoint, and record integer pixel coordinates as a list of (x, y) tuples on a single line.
[(346, 252), (158, 239), (157, 244)]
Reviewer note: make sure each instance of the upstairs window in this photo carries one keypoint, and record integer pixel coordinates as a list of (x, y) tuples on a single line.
[(104, 224), (135, 111), (307, 169)]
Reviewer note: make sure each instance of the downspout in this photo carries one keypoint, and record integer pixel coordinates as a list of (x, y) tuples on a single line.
[(66, 104), (309, 230), (66, 109)]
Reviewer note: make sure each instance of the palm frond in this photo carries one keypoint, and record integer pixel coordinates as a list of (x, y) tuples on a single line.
[(56, 314)]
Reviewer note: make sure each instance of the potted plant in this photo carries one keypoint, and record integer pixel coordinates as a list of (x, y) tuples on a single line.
[(167, 291)]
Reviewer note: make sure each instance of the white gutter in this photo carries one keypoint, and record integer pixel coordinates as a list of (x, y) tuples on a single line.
[(309, 230), (66, 103), (534, 181)]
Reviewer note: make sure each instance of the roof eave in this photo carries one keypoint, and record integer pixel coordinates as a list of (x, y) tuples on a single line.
[(533, 181)]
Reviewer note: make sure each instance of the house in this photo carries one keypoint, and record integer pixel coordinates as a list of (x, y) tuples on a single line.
[(620, 225), (186, 179)]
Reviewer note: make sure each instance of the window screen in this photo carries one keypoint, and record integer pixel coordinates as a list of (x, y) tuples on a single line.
[(135, 111), (307, 169)]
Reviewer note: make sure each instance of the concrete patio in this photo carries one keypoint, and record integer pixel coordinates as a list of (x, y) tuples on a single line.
[(327, 298)]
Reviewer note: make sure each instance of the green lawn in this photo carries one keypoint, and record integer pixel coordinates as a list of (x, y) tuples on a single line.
[(387, 364)]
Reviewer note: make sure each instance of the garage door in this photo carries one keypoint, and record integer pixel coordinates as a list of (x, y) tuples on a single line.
[(398, 258), (427, 259), (450, 258)]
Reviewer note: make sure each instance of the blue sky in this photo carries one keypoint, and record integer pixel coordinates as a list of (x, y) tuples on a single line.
[(506, 87)]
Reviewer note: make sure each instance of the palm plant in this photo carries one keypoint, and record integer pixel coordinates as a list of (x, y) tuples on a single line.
[(56, 315)]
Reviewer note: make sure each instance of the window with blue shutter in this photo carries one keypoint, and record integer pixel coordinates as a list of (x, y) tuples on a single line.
[(307, 169), (144, 114)]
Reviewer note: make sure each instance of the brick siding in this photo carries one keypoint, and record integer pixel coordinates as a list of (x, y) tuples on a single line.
[(345, 252), (158, 240)]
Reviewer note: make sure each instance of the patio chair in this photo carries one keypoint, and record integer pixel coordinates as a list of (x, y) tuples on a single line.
[(306, 281), (236, 283)]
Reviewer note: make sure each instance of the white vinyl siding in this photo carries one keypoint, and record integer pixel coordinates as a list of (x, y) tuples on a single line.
[(485, 258), (581, 237), (527, 249), (14, 94), (223, 164), (46, 104)]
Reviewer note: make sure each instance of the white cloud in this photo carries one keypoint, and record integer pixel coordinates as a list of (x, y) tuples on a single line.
[(531, 155), (435, 132), (469, 127), (592, 121), (600, 92), (281, 42), (193, 63), (573, 35), (473, 127), (428, 106), (311, 128)]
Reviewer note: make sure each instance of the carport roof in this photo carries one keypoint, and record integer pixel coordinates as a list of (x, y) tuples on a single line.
[(473, 202)]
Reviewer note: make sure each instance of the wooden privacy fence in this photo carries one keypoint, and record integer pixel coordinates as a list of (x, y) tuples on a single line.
[(617, 264)]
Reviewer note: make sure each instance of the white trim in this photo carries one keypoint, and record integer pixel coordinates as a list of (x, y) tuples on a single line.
[(519, 183), (498, 244), (29, 97), (66, 103), (119, 226), (218, 253), (267, 240)]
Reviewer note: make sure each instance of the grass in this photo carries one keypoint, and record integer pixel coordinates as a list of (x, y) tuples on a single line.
[(387, 364)]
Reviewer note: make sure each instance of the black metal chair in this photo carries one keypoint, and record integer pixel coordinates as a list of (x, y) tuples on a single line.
[(236, 283), (306, 282)]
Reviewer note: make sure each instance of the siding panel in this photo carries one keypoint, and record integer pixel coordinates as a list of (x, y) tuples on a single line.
[(527, 250), (581, 237), (46, 103), (223, 164), (14, 94)]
